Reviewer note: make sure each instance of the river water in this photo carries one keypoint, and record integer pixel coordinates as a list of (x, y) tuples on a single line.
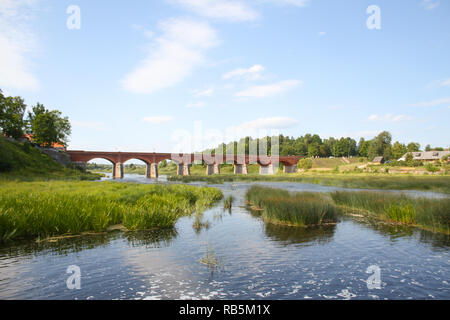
[(253, 260)]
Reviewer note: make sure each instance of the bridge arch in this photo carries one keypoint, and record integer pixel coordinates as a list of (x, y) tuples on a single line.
[(89, 164)]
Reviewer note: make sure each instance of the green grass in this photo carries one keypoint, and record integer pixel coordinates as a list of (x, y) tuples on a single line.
[(331, 163), (43, 209), (296, 209), (21, 161), (440, 183), (430, 214)]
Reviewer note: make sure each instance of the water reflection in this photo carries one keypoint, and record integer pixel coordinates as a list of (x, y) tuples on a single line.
[(300, 235), (68, 245), (397, 231), (157, 238)]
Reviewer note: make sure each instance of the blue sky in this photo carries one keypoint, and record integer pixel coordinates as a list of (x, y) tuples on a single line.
[(149, 75)]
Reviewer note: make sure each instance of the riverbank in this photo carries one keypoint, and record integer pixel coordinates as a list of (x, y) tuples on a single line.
[(51, 208), (23, 162)]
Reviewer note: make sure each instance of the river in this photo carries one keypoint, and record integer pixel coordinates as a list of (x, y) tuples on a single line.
[(252, 260)]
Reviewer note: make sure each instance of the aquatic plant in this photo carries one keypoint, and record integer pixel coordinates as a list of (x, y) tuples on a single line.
[(41, 209), (297, 209), (228, 202), (438, 183), (431, 214)]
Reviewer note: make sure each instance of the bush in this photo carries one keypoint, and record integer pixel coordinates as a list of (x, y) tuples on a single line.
[(305, 164), (431, 167)]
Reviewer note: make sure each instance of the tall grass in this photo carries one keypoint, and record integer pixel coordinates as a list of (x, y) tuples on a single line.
[(297, 209), (228, 202), (439, 183), (431, 214), (41, 209)]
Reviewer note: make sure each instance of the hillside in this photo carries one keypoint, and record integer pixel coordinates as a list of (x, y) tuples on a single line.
[(331, 163), (24, 162)]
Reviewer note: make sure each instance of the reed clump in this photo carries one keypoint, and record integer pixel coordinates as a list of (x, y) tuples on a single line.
[(438, 183), (296, 209), (426, 213), (228, 202), (43, 209)]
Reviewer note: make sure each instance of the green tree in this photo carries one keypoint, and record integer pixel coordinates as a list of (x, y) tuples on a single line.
[(48, 127), (363, 147), (398, 150), (409, 159), (12, 110), (313, 149), (381, 146), (413, 147)]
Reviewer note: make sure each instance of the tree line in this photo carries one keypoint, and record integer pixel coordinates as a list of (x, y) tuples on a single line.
[(44, 126), (312, 145)]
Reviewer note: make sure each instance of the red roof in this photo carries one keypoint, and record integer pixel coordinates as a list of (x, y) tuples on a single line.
[(56, 145)]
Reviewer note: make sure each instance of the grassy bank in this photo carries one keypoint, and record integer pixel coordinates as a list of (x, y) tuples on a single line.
[(439, 183), (430, 214), (296, 209), (21, 161), (42, 209)]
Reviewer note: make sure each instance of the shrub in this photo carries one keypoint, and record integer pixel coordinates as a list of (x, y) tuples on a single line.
[(431, 167), (305, 164)]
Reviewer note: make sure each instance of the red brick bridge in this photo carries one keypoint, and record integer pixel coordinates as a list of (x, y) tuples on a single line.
[(184, 161)]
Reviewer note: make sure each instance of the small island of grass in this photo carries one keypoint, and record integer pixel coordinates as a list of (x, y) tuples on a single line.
[(295, 209)]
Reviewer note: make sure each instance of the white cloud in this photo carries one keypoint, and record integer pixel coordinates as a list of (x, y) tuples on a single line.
[(16, 43), (389, 117), (322, 33), (204, 93), (269, 89), (199, 104), (429, 4), (441, 83), (173, 56), (158, 119), (432, 103), (252, 73), (233, 10)]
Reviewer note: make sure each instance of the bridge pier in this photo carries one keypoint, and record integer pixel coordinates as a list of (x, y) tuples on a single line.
[(267, 170), (184, 169), (209, 169), (240, 169), (118, 170), (290, 169), (154, 171), (151, 170), (212, 169)]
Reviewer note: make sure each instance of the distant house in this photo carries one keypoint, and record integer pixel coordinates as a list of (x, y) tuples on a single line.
[(58, 146), (426, 156), (378, 160)]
